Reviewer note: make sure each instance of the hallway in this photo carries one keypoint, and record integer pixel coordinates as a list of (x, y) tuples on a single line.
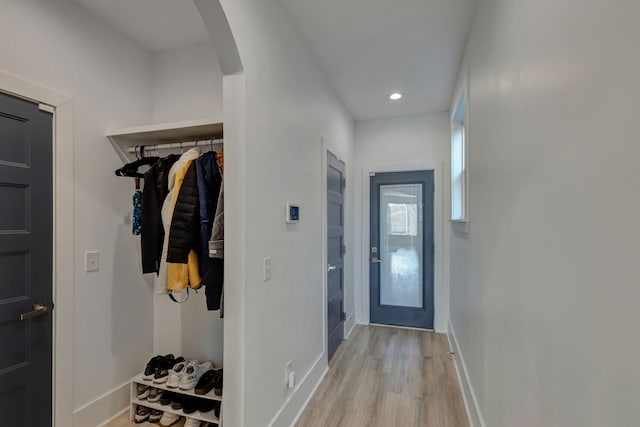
[(385, 376)]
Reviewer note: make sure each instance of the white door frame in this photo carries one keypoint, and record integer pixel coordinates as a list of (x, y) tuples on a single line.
[(441, 287), (63, 237)]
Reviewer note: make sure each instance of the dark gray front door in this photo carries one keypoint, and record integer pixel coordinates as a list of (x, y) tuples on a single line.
[(335, 252), (26, 245), (401, 249)]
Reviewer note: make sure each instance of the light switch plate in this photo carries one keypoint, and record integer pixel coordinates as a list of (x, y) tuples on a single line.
[(91, 261)]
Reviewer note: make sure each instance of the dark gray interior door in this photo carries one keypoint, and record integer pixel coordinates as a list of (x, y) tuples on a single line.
[(26, 248), (401, 251), (335, 252)]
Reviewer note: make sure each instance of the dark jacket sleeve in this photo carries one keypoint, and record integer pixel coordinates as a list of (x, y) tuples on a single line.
[(211, 270), (184, 230), (153, 195)]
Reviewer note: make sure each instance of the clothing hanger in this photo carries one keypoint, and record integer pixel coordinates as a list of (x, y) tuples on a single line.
[(131, 169)]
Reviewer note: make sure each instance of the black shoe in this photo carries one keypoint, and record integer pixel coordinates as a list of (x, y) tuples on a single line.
[(142, 414), (207, 381), (167, 398), (206, 405), (150, 370), (178, 402), (191, 405), (162, 369), (217, 388), (155, 416)]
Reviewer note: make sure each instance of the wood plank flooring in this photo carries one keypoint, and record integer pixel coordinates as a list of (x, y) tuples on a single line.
[(384, 377), (389, 377)]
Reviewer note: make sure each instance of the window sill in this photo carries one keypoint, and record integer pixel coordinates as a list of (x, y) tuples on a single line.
[(460, 226)]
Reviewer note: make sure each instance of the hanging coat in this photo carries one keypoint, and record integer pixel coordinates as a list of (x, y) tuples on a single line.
[(209, 184), (176, 177)]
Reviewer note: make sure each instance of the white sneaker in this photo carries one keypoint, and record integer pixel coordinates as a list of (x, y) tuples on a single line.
[(192, 374), (192, 422), (169, 419), (175, 374)]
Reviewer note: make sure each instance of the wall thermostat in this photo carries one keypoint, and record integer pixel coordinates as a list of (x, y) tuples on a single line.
[(293, 213)]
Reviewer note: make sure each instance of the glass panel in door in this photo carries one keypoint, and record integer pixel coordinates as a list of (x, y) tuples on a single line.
[(401, 245)]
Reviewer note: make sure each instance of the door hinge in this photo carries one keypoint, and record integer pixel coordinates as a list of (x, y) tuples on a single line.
[(344, 182), (344, 249), (343, 316)]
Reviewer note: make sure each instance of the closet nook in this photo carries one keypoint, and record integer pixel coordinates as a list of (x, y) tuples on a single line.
[(185, 322)]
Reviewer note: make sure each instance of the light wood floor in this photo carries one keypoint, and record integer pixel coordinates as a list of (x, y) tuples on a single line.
[(388, 377), (384, 377)]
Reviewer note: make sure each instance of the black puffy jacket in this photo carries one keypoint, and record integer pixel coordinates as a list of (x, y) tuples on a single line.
[(185, 222), (152, 231)]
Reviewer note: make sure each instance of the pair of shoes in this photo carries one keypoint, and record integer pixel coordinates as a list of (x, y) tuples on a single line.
[(212, 379), (152, 394), (169, 419), (192, 422), (156, 364), (186, 375), (142, 391), (164, 368), (142, 414), (155, 416)]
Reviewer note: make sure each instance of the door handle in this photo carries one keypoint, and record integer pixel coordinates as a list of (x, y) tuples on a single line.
[(375, 260), (38, 310), (331, 267)]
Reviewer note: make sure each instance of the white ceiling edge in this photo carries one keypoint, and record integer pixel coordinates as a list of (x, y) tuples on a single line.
[(156, 25)]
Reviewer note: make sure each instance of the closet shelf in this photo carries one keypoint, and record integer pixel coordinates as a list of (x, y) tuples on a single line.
[(162, 133)]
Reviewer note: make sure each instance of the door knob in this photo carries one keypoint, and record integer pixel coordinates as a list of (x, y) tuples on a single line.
[(331, 267), (38, 310), (375, 260)]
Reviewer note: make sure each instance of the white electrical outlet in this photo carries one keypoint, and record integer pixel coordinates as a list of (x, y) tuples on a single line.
[(91, 261), (266, 269)]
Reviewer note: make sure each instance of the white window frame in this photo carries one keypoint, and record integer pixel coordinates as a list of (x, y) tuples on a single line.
[(460, 122)]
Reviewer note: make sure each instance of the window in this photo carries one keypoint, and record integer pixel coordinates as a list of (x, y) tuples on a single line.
[(458, 163), (403, 219)]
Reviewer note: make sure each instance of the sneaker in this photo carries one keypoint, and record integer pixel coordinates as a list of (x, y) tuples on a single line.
[(217, 388), (192, 374), (163, 367), (155, 416), (169, 419), (175, 374), (207, 381), (191, 405), (155, 394), (142, 414), (167, 398), (192, 422), (142, 391), (150, 369)]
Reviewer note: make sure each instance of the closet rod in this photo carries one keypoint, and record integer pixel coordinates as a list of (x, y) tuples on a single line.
[(172, 145)]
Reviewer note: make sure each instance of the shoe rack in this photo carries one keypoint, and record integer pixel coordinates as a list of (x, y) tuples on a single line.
[(208, 417)]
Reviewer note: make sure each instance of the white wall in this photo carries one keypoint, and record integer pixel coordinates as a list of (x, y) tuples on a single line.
[(58, 45), (187, 84), (289, 109), (417, 142), (543, 292)]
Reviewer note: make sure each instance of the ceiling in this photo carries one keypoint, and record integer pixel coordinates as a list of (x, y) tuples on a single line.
[(154, 24), (372, 48), (369, 48)]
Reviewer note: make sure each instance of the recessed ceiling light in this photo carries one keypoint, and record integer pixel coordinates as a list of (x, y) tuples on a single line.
[(395, 96)]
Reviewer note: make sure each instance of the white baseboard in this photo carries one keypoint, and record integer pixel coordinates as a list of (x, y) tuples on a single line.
[(103, 409), (349, 325), (469, 396), (298, 400)]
